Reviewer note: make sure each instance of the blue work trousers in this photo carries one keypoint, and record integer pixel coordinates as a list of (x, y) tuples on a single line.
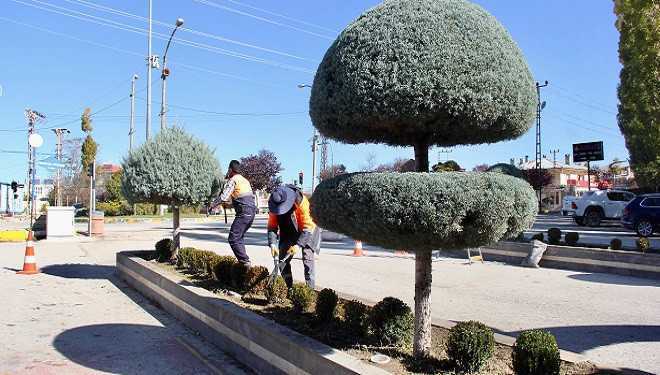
[(242, 222)]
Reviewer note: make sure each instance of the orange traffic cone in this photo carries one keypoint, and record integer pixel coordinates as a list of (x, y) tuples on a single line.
[(30, 264), (357, 250)]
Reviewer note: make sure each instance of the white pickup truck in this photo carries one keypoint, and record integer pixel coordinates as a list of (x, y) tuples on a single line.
[(597, 205)]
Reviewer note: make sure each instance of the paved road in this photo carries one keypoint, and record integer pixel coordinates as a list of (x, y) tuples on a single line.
[(611, 319)]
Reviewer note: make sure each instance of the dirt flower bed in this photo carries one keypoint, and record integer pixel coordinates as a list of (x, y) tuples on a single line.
[(336, 334)]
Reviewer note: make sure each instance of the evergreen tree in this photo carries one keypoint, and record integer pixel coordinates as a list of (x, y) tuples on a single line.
[(638, 22), (171, 168), (421, 73), (89, 147)]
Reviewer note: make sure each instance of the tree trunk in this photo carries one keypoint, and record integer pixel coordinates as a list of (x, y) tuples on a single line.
[(423, 281), (176, 232)]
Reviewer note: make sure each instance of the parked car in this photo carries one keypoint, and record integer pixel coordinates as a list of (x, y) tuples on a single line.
[(80, 210), (595, 206), (641, 214), (566, 207)]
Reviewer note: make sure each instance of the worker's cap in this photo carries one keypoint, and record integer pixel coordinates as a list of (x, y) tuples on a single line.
[(281, 200)]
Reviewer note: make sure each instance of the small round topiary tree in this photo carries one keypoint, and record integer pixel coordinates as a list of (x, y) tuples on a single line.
[(276, 291), (642, 244), (391, 321), (536, 353), (256, 279), (572, 238), (538, 237), (554, 236), (507, 169), (422, 73), (172, 168), (222, 269), (237, 274), (326, 302), (301, 296), (615, 244), (164, 249), (355, 317), (470, 345)]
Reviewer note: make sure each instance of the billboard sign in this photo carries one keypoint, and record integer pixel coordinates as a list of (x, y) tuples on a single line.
[(591, 151)]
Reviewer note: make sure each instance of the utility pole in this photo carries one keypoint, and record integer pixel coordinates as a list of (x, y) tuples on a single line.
[(539, 108), (59, 132), (152, 63), (554, 157), (314, 147), (445, 151), (33, 118), (131, 131)]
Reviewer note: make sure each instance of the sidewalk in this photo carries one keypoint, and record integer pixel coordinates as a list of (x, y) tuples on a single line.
[(78, 318), (77, 312)]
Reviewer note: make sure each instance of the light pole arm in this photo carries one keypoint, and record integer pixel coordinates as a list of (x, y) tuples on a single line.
[(168, 47)]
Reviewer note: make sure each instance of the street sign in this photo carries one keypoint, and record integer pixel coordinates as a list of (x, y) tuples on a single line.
[(51, 164), (591, 151)]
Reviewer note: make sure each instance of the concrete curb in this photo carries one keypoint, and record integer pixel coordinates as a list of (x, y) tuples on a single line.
[(583, 259), (264, 345), (13, 235)]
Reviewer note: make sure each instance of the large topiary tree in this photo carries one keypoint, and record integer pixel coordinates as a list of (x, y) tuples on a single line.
[(422, 73), (172, 168)]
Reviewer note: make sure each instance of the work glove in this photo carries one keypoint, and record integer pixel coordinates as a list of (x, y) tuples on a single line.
[(293, 249), (274, 251)]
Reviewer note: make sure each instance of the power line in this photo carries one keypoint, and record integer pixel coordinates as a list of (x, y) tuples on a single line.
[(231, 114), (580, 102), (283, 16), (582, 97), (262, 18)]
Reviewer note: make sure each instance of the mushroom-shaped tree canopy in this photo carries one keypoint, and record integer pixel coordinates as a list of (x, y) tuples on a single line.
[(445, 70)]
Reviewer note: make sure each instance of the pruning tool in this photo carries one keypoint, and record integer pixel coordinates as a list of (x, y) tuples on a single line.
[(278, 267)]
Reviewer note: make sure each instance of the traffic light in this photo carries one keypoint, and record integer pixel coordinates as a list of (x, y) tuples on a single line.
[(14, 186), (90, 171), (300, 178)]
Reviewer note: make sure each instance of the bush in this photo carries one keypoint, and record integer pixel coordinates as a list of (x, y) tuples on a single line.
[(642, 244), (554, 236), (146, 209), (164, 249), (301, 296), (392, 321), (222, 269), (451, 210), (572, 238), (470, 345), (256, 279), (237, 273), (615, 244), (115, 208), (326, 302), (538, 237), (185, 254), (355, 317), (536, 353), (276, 292)]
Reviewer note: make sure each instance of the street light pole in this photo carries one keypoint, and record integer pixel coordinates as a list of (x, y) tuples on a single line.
[(165, 73), (59, 132), (131, 131), (539, 108), (149, 66)]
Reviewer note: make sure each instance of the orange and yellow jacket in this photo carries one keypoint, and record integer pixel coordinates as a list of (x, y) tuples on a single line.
[(306, 231)]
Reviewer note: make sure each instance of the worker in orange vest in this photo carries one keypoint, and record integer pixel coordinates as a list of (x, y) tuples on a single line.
[(239, 190), (289, 214)]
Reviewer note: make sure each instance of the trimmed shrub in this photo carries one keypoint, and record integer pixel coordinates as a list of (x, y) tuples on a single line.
[(326, 302), (276, 292), (449, 210), (506, 169), (536, 353), (572, 238), (222, 269), (164, 249), (642, 244), (301, 296), (554, 236), (392, 321), (538, 237), (256, 279), (615, 244), (470, 345), (114, 208), (237, 273), (355, 317), (184, 257)]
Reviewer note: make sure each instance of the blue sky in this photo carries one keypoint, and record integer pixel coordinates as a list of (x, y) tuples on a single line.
[(235, 67)]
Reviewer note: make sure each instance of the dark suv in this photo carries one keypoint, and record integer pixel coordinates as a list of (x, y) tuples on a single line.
[(642, 214)]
